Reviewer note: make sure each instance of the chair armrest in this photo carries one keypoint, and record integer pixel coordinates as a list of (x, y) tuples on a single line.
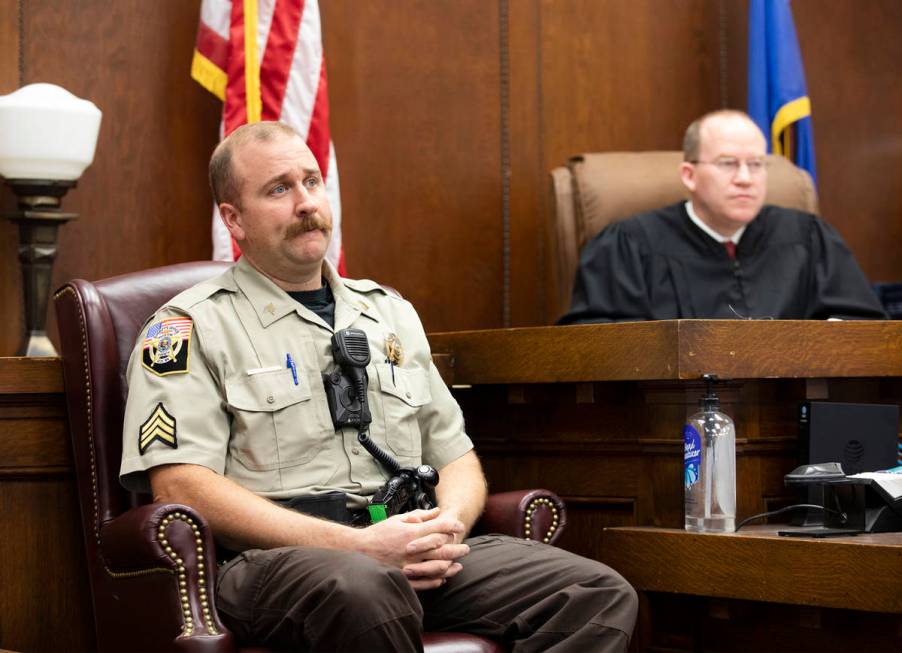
[(162, 556), (531, 514)]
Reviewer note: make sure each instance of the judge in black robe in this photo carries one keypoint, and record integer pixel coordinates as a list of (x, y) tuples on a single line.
[(660, 265)]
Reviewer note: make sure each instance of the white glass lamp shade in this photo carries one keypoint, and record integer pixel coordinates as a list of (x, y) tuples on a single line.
[(46, 133)]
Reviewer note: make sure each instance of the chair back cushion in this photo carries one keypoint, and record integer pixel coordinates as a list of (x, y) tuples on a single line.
[(98, 323), (599, 188)]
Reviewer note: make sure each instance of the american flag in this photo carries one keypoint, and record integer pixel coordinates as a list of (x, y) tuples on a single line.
[(287, 83)]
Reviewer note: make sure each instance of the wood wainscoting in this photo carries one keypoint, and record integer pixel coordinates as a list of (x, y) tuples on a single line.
[(45, 602)]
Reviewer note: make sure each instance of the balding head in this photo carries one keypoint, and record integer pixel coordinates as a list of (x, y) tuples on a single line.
[(725, 170), (225, 185), (692, 140)]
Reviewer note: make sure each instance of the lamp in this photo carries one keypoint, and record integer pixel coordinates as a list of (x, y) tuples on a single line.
[(47, 139)]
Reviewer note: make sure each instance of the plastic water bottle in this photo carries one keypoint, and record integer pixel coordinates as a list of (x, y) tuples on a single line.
[(709, 466)]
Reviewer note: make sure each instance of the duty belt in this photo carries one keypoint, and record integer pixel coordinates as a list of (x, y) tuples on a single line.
[(330, 505)]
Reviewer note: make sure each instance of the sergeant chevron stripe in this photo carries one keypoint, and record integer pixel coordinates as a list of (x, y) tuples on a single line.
[(159, 426)]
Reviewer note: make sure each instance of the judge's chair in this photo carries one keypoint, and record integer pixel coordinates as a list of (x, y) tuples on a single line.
[(593, 190), (152, 565)]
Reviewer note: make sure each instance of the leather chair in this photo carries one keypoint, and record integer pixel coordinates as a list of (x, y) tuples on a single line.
[(594, 190), (151, 565)]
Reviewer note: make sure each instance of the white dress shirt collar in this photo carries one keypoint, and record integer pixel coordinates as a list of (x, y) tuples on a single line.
[(708, 230)]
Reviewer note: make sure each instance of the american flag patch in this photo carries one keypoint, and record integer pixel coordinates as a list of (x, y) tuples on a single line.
[(167, 346)]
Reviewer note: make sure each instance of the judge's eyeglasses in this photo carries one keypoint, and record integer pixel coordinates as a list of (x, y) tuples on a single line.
[(730, 165)]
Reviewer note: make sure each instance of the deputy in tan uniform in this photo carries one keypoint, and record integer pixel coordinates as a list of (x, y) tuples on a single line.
[(281, 442), (227, 413)]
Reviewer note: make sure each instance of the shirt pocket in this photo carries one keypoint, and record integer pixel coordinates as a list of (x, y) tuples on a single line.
[(403, 391), (275, 422)]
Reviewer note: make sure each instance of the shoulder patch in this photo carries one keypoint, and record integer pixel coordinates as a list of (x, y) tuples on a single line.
[(167, 346), (160, 426)]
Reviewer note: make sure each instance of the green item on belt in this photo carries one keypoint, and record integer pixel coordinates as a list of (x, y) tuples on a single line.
[(377, 512)]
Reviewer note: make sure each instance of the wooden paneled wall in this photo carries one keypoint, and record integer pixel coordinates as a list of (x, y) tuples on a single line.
[(447, 116), (45, 601), (10, 292), (458, 110)]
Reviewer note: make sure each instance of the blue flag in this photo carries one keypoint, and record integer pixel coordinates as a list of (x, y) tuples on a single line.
[(778, 98)]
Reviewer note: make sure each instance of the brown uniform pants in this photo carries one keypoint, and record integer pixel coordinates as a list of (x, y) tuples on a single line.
[(528, 595)]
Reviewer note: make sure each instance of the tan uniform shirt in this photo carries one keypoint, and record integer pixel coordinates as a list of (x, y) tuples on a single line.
[(210, 384)]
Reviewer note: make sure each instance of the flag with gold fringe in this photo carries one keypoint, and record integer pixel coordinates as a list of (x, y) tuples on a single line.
[(778, 96)]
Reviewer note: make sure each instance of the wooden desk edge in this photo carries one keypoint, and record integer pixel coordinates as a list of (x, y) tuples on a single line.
[(847, 573), (674, 350)]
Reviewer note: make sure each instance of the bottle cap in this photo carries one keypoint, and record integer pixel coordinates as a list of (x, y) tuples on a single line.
[(710, 401)]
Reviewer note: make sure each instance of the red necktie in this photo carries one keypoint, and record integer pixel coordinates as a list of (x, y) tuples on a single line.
[(731, 248)]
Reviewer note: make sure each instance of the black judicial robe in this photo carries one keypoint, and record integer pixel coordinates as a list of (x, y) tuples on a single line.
[(660, 266)]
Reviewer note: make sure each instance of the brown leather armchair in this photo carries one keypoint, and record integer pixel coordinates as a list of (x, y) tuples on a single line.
[(596, 189), (152, 565)]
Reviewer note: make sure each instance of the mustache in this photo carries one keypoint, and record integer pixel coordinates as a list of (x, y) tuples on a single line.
[(309, 222)]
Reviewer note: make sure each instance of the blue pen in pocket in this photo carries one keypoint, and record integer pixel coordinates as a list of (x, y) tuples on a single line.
[(289, 363)]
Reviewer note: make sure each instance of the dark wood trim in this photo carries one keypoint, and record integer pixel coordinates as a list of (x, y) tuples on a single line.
[(633, 351), (444, 363), (789, 348), (45, 600), (674, 350), (20, 375), (627, 447), (36, 471)]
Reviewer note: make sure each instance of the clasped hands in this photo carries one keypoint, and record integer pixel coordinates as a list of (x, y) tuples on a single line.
[(424, 544)]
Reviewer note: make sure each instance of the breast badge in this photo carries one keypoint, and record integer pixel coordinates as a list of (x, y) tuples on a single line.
[(160, 426), (167, 345), (394, 353)]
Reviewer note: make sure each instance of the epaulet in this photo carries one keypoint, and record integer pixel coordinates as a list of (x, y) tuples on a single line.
[(365, 286), (194, 295)]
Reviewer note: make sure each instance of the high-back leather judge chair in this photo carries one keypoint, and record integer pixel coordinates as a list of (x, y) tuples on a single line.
[(152, 565), (593, 190)]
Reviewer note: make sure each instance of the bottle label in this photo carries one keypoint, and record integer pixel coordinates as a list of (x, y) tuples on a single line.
[(692, 455)]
